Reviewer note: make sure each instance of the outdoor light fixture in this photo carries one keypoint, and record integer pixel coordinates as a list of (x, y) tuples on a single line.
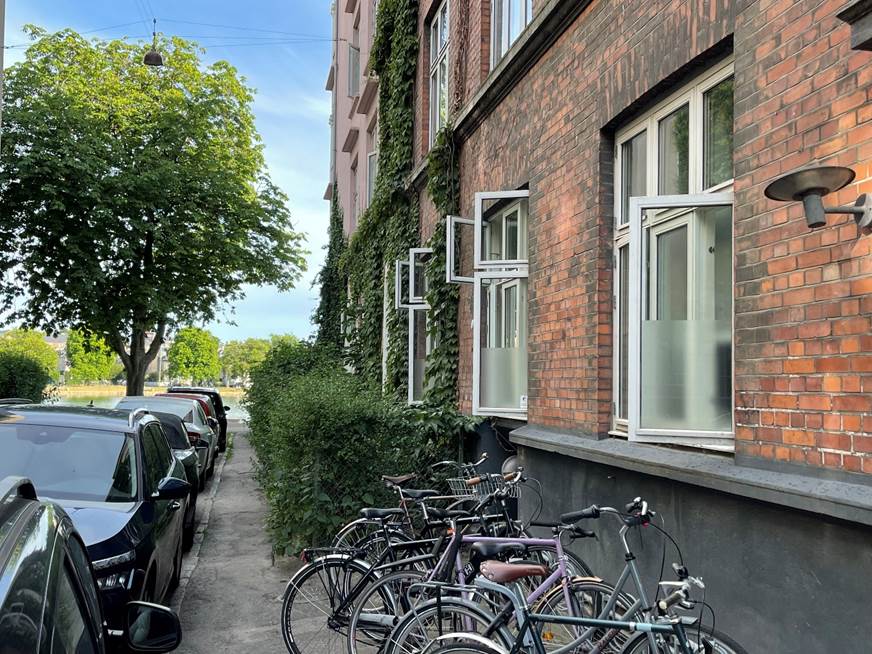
[(152, 57), (811, 184)]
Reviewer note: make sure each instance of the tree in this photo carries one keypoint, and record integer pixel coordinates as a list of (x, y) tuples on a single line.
[(283, 339), (239, 357), (31, 344), (133, 199), (194, 355), (22, 376), (90, 358)]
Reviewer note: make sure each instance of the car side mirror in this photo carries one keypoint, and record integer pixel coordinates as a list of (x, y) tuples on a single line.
[(172, 488), (152, 628), (226, 408), (213, 423)]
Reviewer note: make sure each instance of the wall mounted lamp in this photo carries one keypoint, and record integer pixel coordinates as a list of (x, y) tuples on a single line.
[(810, 185)]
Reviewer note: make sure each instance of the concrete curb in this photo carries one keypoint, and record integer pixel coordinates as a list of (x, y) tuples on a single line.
[(192, 558)]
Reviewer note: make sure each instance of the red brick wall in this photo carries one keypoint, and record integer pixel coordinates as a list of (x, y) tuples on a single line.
[(803, 298)]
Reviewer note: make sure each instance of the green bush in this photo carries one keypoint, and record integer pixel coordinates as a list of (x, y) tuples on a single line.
[(22, 376), (324, 437)]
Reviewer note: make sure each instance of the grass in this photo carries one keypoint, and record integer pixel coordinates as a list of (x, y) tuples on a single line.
[(228, 453)]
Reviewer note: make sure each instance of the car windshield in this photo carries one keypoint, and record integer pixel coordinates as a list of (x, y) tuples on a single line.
[(70, 463), (181, 408)]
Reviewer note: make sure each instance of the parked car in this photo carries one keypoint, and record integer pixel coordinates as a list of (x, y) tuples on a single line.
[(221, 409), (200, 433), (177, 437), (116, 476), (208, 408), (44, 612)]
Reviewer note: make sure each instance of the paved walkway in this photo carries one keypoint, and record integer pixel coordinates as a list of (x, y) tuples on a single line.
[(230, 599)]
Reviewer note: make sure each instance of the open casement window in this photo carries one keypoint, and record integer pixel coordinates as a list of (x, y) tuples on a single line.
[(418, 258), (679, 310), (501, 229), (499, 380), (420, 347), (402, 288), (455, 225)]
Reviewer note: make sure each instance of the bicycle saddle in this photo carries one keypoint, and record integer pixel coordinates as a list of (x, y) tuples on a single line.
[(497, 550), (379, 514), (440, 514), (503, 573), (399, 480), (416, 494)]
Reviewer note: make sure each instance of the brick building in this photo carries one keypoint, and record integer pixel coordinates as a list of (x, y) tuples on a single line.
[(636, 316)]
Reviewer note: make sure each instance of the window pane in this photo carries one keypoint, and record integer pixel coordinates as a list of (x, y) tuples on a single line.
[(443, 93), (497, 21), (443, 26), (511, 228), (674, 134), (419, 353), (516, 18), (503, 344), (420, 277), (718, 134), (633, 172), (70, 632), (686, 339), (504, 229), (623, 329)]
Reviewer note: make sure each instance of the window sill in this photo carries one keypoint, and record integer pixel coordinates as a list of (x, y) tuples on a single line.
[(834, 498)]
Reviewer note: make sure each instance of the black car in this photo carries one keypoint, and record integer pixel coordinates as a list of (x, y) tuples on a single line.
[(220, 408), (116, 476), (48, 593), (177, 437)]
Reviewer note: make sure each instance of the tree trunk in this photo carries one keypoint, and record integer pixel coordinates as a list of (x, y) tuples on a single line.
[(136, 376), (137, 359)]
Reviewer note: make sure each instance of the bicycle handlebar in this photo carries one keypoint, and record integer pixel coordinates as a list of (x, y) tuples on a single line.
[(508, 476), (593, 511)]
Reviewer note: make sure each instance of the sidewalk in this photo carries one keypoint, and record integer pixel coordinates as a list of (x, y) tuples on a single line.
[(232, 601)]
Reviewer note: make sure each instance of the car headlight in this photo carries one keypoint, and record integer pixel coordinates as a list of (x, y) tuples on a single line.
[(107, 576)]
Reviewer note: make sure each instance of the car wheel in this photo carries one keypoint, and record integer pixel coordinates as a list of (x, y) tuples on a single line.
[(177, 569), (190, 526)]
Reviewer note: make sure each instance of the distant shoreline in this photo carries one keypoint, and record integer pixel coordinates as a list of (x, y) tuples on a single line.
[(112, 390)]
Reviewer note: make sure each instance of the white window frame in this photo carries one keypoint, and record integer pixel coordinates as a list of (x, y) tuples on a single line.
[(477, 408), (499, 50), (353, 66), (480, 199), (371, 172), (638, 281), (452, 224), (429, 348), (692, 94), (438, 55), (399, 264), (414, 253)]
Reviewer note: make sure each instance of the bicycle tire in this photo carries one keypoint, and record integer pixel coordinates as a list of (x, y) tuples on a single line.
[(389, 589), (407, 636), (722, 644), (330, 567), (462, 646)]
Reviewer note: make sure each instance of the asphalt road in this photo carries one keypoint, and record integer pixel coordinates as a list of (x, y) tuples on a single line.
[(230, 596)]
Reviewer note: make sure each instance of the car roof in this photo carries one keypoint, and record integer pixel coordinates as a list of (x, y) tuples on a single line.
[(145, 400), (193, 389), (67, 416)]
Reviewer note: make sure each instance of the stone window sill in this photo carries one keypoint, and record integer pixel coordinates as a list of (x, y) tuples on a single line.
[(838, 499)]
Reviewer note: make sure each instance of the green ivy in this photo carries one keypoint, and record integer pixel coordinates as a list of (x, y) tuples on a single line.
[(328, 315), (443, 185), (389, 226)]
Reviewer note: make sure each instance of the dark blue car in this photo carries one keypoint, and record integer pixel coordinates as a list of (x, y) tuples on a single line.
[(117, 478)]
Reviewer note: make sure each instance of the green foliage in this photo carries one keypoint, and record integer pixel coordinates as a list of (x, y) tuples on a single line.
[(443, 185), (328, 315), (89, 357), (31, 344), (283, 339), (239, 357), (389, 226), (22, 376), (194, 355), (133, 199), (324, 437)]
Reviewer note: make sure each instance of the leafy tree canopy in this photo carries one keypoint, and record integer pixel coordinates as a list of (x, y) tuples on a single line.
[(239, 357), (31, 344), (90, 358), (132, 198), (194, 355)]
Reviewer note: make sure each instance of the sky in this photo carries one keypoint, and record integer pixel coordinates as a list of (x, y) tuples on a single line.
[(283, 49)]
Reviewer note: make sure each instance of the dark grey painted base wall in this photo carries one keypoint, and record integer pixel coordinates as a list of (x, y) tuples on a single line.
[(780, 580)]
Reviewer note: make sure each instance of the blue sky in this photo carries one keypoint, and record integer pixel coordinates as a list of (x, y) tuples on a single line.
[(291, 106)]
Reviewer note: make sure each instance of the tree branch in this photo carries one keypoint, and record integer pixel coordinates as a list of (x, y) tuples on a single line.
[(158, 340), (117, 344)]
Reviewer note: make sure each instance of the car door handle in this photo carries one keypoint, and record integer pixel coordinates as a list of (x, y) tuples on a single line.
[(175, 505)]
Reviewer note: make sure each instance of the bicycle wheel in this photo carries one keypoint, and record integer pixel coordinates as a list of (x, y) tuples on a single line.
[(311, 620), (588, 599), (420, 627), (459, 644), (718, 643), (378, 610)]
